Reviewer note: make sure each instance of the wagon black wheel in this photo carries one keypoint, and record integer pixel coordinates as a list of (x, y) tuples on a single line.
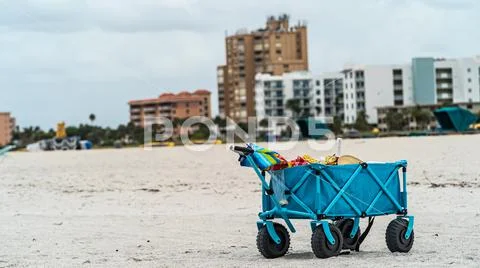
[(320, 245), (346, 226), (395, 236), (267, 247)]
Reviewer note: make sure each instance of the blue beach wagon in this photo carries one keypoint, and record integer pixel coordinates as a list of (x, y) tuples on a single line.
[(334, 198)]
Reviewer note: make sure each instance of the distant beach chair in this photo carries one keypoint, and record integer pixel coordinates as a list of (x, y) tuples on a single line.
[(6, 149)]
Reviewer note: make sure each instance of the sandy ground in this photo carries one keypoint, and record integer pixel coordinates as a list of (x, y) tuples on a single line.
[(173, 207)]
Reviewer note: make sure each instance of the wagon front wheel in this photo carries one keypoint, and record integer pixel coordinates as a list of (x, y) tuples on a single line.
[(267, 247), (321, 247), (346, 226), (395, 236)]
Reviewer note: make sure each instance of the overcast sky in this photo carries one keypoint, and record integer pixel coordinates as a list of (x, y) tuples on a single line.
[(65, 59)]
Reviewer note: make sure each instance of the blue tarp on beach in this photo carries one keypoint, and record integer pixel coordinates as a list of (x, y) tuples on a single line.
[(454, 118)]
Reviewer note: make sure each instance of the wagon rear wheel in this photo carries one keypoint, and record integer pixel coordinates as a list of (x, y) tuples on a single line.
[(320, 245), (395, 236), (346, 226), (267, 247)]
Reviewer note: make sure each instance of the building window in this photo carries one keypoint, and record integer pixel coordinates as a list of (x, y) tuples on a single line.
[(318, 92), (469, 90), (469, 70), (346, 85), (469, 80), (318, 82)]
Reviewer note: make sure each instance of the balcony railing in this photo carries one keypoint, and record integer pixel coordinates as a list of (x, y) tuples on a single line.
[(397, 87), (444, 96), (135, 117), (258, 47), (302, 96), (149, 110), (274, 96), (444, 75), (445, 85)]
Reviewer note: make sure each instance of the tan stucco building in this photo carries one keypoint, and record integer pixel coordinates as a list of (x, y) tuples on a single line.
[(7, 125), (276, 49), (171, 106)]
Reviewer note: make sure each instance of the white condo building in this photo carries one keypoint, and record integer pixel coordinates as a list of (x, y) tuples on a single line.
[(426, 81), (273, 92), (367, 87), (328, 95)]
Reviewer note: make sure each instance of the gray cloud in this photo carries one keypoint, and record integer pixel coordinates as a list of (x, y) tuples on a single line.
[(106, 52), (74, 16)]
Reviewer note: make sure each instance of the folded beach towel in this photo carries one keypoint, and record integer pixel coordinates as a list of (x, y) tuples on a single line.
[(264, 158)]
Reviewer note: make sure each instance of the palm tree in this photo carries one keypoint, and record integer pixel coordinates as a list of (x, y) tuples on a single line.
[(337, 125), (264, 122), (361, 124), (395, 121), (220, 121), (92, 118), (294, 106), (422, 117)]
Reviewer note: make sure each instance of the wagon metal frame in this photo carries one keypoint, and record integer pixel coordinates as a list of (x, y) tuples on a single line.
[(271, 208)]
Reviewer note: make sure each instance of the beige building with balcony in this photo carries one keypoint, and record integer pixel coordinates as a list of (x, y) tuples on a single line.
[(171, 106), (7, 125)]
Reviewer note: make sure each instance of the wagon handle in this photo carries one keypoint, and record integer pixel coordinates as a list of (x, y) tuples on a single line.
[(242, 150)]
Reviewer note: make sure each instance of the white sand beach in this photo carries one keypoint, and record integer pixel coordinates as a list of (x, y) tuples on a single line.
[(174, 207)]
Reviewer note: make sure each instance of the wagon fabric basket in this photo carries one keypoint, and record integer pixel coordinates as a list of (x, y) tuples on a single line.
[(334, 198)]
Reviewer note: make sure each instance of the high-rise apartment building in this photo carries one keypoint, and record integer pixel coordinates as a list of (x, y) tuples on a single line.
[(171, 106), (7, 125), (276, 49)]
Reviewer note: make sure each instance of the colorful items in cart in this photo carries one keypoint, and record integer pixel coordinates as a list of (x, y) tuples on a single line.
[(267, 159)]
